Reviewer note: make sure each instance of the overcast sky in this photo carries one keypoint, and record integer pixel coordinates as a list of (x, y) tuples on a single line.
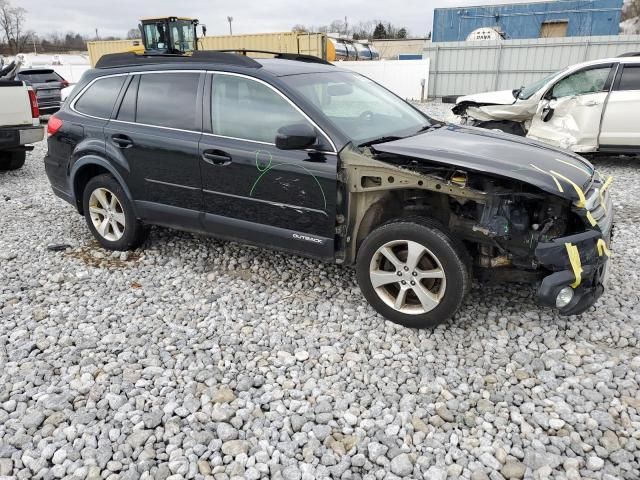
[(116, 17)]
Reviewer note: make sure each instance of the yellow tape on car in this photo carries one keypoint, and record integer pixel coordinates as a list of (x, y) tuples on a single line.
[(581, 198), (576, 264), (604, 189), (603, 249)]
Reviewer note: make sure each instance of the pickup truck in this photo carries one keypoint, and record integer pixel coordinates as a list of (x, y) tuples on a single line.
[(19, 122)]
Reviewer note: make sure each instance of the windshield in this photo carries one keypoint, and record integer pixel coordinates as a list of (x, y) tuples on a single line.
[(528, 91), (359, 107)]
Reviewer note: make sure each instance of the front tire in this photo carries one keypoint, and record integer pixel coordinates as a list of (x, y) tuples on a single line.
[(413, 273), (110, 216), (12, 160)]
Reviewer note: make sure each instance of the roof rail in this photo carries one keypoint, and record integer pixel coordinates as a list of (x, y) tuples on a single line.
[(629, 54), (299, 57), (113, 60)]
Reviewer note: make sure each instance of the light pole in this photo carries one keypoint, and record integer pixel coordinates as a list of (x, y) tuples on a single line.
[(230, 19)]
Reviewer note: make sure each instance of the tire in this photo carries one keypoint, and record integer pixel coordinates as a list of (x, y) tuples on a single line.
[(447, 283), (12, 160), (120, 228)]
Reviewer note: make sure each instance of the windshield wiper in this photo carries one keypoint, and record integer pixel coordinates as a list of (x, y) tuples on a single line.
[(389, 138), (430, 126)]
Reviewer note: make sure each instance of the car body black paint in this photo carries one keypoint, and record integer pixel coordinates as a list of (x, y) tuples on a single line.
[(497, 153)]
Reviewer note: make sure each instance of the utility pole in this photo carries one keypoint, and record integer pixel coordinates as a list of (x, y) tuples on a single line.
[(230, 19), (97, 36), (35, 51)]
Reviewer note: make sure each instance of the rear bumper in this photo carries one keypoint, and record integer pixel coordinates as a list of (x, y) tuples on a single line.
[(585, 272), (16, 137)]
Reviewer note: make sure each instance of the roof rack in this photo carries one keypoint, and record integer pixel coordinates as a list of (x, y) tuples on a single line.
[(629, 54), (113, 60), (298, 57)]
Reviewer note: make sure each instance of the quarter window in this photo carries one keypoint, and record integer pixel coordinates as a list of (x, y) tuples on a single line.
[(244, 108), (630, 79), (168, 100), (100, 97), (582, 82)]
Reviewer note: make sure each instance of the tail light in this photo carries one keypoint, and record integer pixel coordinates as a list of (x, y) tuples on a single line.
[(53, 125), (35, 111)]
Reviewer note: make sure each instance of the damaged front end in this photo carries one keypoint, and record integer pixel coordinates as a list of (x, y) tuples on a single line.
[(513, 230)]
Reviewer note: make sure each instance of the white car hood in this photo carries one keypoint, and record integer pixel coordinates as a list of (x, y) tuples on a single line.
[(501, 97)]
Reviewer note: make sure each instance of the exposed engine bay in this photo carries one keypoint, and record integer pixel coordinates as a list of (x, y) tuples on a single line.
[(500, 221)]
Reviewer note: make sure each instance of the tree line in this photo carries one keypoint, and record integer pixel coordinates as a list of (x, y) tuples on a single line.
[(364, 30), (16, 38)]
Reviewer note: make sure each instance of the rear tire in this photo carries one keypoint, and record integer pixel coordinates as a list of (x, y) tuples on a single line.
[(12, 160), (421, 273), (110, 216)]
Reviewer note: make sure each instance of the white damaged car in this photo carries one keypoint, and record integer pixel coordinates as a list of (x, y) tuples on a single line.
[(587, 108)]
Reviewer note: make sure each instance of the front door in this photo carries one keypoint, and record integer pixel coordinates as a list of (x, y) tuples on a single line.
[(620, 123), (156, 131), (254, 191), (569, 115)]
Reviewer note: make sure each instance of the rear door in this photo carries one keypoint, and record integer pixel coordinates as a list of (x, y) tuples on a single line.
[(569, 114), (621, 120), (251, 189), (155, 132)]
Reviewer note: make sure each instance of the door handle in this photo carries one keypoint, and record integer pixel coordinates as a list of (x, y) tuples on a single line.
[(216, 157), (122, 141), (591, 103)]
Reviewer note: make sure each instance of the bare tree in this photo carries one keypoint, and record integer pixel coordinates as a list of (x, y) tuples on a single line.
[(631, 17), (12, 20), (133, 34)]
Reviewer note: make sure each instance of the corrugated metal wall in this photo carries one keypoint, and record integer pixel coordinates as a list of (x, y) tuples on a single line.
[(102, 47), (285, 42), (460, 68), (524, 20)]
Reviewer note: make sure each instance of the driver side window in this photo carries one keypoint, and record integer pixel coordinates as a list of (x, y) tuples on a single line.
[(246, 109), (582, 82)]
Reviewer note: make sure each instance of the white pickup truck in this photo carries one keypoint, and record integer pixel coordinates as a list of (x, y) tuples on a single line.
[(19, 121)]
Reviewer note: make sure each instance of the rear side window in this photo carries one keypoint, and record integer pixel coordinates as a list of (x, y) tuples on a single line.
[(98, 100), (127, 111), (630, 79), (40, 76), (168, 100)]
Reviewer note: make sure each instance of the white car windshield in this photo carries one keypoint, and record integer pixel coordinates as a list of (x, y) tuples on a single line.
[(528, 91), (359, 107)]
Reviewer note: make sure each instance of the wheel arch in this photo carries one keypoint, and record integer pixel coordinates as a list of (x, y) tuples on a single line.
[(88, 167)]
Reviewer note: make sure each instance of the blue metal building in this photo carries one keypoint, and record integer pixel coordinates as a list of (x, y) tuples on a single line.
[(558, 18)]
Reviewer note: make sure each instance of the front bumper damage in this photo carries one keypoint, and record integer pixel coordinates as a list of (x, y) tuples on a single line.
[(578, 261)]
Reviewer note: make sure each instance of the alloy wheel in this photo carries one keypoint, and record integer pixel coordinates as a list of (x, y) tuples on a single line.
[(407, 276), (107, 214)]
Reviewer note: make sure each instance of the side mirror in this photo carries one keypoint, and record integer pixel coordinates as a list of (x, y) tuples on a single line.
[(295, 137), (548, 106), (204, 30)]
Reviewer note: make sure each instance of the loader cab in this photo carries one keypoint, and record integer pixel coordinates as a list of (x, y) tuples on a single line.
[(169, 35)]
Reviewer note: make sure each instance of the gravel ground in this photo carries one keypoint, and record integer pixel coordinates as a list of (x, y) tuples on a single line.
[(195, 358)]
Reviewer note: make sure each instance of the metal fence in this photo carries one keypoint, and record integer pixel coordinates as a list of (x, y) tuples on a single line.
[(459, 68)]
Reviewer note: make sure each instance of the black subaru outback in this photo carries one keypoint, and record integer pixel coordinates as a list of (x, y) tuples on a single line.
[(296, 154)]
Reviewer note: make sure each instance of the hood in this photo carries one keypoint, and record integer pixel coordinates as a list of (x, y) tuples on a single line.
[(501, 154), (502, 97)]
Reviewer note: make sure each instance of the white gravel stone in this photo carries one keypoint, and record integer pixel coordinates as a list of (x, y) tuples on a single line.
[(194, 352)]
